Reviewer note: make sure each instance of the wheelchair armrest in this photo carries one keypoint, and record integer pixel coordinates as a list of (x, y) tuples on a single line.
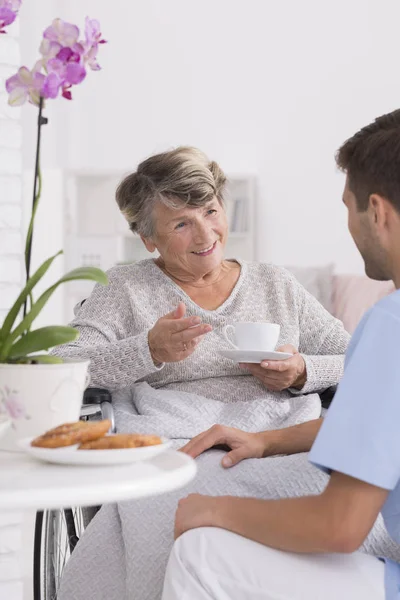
[(98, 402), (327, 396), (96, 396)]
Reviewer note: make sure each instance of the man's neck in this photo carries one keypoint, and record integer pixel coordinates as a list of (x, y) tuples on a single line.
[(395, 270)]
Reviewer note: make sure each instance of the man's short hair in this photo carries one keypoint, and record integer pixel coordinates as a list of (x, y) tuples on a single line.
[(371, 159)]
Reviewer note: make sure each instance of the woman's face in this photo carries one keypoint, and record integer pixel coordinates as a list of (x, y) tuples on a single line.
[(190, 239)]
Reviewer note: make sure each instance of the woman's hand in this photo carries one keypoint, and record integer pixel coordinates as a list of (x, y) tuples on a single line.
[(174, 337), (243, 445), (278, 375)]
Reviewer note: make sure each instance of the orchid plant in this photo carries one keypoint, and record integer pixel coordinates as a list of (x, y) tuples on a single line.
[(64, 62), (8, 13)]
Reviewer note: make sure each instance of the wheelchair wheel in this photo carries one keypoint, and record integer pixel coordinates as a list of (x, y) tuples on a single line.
[(56, 534)]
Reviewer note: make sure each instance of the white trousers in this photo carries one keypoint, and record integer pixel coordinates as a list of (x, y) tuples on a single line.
[(211, 563)]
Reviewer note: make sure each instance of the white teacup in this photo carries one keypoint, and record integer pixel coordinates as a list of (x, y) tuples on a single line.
[(253, 336)]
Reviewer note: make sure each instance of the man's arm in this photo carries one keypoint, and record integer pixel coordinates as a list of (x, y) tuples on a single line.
[(291, 440), (338, 520)]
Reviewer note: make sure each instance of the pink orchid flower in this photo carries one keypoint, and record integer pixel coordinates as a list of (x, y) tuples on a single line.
[(25, 85), (63, 64), (93, 39), (51, 86), (49, 49), (92, 32), (67, 67), (8, 12), (15, 5), (66, 34)]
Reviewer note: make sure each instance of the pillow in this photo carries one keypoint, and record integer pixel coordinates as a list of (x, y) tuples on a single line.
[(353, 295), (317, 281)]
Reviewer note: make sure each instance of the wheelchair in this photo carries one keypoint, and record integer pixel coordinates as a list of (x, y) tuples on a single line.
[(58, 531)]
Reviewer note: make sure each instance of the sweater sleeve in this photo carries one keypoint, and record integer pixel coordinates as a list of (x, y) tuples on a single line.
[(117, 359), (323, 342)]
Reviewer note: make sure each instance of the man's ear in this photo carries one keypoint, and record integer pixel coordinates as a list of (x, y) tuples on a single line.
[(148, 242), (379, 209)]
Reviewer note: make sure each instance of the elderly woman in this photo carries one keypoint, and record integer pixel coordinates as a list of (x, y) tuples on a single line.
[(153, 336)]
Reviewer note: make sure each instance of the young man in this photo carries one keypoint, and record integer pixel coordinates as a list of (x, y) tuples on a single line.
[(306, 548)]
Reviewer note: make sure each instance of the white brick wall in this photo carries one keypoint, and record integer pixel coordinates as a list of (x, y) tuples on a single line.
[(11, 265), (11, 277)]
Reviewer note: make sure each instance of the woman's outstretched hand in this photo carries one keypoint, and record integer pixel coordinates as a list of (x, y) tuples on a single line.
[(175, 337)]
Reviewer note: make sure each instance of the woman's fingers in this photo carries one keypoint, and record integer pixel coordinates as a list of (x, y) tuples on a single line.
[(273, 380), (254, 369), (266, 367), (180, 310), (177, 313), (278, 365), (189, 334), (178, 325), (174, 337), (288, 348)]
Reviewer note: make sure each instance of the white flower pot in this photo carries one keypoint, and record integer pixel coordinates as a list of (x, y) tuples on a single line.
[(39, 397)]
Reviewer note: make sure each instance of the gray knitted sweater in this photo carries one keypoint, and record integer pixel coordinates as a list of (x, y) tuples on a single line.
[(115, 320)]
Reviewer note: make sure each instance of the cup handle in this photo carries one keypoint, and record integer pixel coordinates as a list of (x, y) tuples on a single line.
[(226, 331)]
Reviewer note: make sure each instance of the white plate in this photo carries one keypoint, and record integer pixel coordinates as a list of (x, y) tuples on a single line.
[(253, 356), (70, 455)]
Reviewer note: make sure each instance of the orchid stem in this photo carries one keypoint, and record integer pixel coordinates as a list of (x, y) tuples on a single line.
[(37, 190)]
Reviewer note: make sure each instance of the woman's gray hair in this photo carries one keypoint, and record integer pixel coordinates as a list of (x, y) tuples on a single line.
[(184, 175)]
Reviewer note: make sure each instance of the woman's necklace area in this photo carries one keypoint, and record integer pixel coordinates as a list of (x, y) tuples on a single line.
[(182, 282)]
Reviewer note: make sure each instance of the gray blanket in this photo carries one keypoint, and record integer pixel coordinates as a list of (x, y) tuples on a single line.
[(124, 551)]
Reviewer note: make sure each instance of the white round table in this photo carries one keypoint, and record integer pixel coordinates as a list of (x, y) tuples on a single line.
[(28, 483)]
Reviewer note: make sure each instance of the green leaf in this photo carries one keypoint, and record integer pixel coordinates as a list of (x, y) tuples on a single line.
[(91, 273), (42, 339), (14, 310), (39, 358), (34, 209)]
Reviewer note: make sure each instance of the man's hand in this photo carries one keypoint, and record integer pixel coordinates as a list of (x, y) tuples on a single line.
[(195, 511), (243, 445), (278, 375), (337, 520)]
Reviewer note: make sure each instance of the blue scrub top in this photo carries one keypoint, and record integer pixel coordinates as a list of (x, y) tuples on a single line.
[(360, 435)]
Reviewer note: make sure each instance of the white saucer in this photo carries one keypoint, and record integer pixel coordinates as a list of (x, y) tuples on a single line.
[(70, 455), (253, 356)]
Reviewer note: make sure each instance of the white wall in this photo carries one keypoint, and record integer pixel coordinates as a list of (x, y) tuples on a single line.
[(11, 275), (11, 264), (267, 87), (49, 223), (271, 87)]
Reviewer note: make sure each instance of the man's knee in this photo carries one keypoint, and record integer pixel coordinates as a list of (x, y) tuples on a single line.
[(189, 545), (204, 546)]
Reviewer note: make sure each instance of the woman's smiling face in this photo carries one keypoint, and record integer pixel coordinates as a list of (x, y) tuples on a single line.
[(190, 239)]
